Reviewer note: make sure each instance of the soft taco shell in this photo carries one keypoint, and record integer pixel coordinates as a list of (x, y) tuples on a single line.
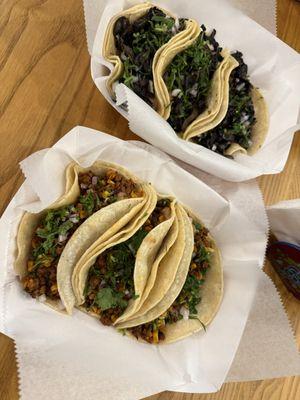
[(81, 268), (114, 217), (164, 272), (217, 102), (145, 259), (163, 58), (211, 295), (259, 130), (109, 49), (176, 284)]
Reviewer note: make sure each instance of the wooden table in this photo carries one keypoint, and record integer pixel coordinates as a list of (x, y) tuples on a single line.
[(46, 89)]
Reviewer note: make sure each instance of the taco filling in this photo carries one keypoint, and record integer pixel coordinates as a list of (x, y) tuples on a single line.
[(136, 44), (188, 79), (185, 305), (237, 125), (110, 283), (57, 226)]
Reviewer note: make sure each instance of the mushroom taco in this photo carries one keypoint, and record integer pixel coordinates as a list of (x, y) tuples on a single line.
[(191, 79), (98, 202), (193, 298), (116, 281), (245, 124), (132, 39)]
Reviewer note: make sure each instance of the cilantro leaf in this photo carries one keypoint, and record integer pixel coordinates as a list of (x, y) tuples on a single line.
[(135, 242), (65, 227), (196, 317), (202, 255), (106, 298), (88, 202), (197, 225)]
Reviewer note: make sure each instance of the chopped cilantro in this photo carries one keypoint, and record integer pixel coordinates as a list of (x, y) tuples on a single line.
[(137, 43), (88, 202), (197, 226), (107, 298), (191, 72), (202, 255), (65, 227), (237, 125)]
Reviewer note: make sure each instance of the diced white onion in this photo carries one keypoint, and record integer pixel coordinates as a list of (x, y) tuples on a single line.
[(132, 249), (94, 180), (83, 186), (151, 87), (103, 282), (74, 220), (62, 238), (185, 313), (175, 92), (123, 57), (73, 215), (42, 298), (240, 86), (135, 78), (244, 117), (210, 46), (214, 147), (177, 25), (126, 292), (194, 92)]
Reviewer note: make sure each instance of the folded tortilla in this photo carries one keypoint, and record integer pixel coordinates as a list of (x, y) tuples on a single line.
[(245, 123), (210, 292), (113, 55), (259, 129), (216, 102), (94, 229), (148, 255)]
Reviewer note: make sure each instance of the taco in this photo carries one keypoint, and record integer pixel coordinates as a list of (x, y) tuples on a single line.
[(98, 202), (193, 298), (119, 277), (131, 42), (164, 270), (244, 128), (191, 79)]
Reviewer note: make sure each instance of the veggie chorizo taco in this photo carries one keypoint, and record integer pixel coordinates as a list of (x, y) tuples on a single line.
[(98, 202), (194, 297), (131, 42), (244, 128), (117, 281)]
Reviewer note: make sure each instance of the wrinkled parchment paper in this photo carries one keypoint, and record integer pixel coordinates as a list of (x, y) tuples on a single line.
[(285, 220), (273, 67), (262, 12), (78, 357)]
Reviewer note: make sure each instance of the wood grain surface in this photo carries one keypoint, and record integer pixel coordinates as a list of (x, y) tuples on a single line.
[(46, 89)]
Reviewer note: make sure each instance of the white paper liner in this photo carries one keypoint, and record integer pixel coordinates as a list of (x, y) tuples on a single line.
[(78, 357), (271, 354), (285, 220), (273, 66), (265, 13)]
